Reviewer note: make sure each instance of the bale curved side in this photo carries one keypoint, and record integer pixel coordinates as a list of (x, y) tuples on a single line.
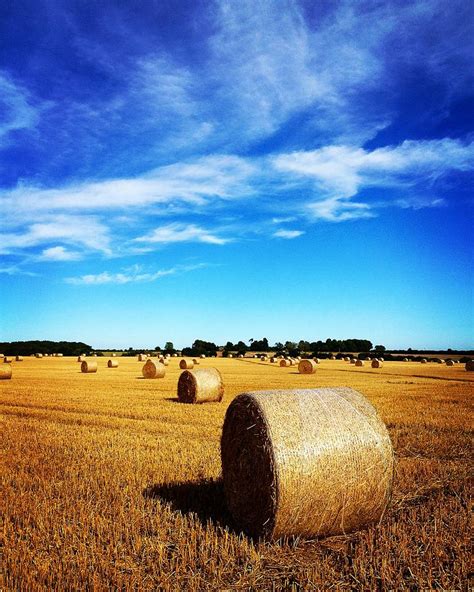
[(112, 364), (307, 367), (87, 367), (359, 363), (200, 386), (285, 363), (153, 369), (305, 462), (5, 372), (186, 364), (377, 364)]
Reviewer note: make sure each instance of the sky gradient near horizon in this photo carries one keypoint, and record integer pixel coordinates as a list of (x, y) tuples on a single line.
[(232, 170)]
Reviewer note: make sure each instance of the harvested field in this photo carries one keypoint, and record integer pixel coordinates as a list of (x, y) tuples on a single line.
[(108, 482)]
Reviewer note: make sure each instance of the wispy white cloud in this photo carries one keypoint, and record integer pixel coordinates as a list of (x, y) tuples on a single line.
[(130, 275), (288, 234), (59, 253), (16, 110), (338, 173), (85, 231), (16, 270), (178, 233)]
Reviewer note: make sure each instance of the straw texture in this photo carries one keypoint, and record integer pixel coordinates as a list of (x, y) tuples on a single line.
[(377, 364), (142, 357), (284, 363), (112, 364), (186, 364), (305, 462), (88, 366), (153, 369), (307, 367), (81, 358), (353, 360), (5, 372), (359, 362), (200, 386)]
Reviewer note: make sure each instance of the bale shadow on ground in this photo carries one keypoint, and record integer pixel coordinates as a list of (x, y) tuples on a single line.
[(205, 499)]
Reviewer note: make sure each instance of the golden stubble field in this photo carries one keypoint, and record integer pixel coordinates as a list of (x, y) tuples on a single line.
[(107, 482)]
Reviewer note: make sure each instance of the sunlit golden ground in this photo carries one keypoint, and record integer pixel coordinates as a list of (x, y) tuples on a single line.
[(108, 483)]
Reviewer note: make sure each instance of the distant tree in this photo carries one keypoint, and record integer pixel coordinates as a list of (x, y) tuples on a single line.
[(169, 347), (157, 348), (379, 348)]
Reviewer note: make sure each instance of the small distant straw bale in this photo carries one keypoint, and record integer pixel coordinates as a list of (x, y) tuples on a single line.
[(424, 361), (5, 372), (81, 358), (38, 355), (470, 366), (203, 385), (449, 362), (307, 367), (284, 363), (359, 363), (112, 364), (88, 366), (153, 369), (377, 364), (353, 360), (196, 361), (142, 357), (312, 462), (186, 364), (19, 358)]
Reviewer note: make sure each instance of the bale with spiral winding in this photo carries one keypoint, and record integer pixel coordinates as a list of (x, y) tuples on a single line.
[(153, 369), (203, 385), (112, 364), (5, 372), (305, 462), (186, 364), (307, 367), (87, 367)]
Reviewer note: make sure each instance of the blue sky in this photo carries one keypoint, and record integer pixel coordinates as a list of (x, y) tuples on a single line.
[(233, 170)]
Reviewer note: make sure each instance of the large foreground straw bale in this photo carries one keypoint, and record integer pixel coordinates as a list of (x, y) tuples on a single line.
[(200, 386), (186, 364), (153, 369), (377, 363), (89, 366), (305, 462), (112, 364), (307, 367), (359, 363), (5, 372), (470, 366)]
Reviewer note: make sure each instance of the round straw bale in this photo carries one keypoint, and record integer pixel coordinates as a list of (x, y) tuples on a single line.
[(307, 367), (359, 362), (153, 369), (284, 363), (449, 362), (441, 361), (424, 361), (2, 355), (346, 359), (88, 366), (377, 364), (308, 462), (38, 355), (81, 358), (406, 360), (7, 360), (114, 355), (165, 361), (112, 364), (263, 359), (200, 386), (19, 358), (186, 364), (5, 372), (332, 357), (202, 356), (142, 357), (196, 361), (353, 360), (316, 360), (470, 366)]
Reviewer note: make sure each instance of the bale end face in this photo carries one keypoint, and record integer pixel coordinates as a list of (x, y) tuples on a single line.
[(359, 363), (203, 385), (112, 364), (285, 363)]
